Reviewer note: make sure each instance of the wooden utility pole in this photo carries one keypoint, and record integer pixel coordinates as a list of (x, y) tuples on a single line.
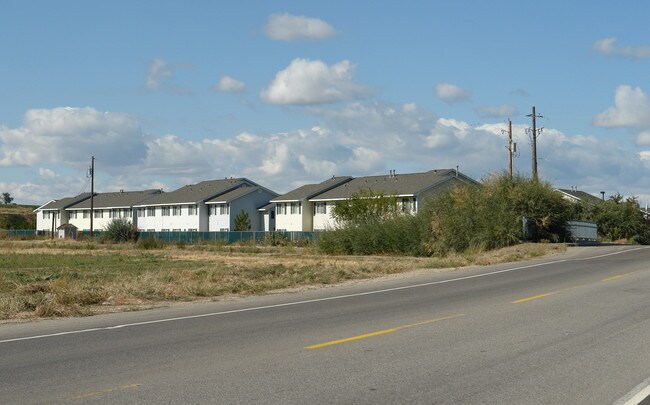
[(510, 148), (92, 193), (534, 141)]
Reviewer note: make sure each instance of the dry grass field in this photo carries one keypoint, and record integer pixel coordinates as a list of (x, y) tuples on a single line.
[(51, 278)]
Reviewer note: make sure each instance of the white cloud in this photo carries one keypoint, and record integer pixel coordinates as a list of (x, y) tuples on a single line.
[(287, 27), (158, 72), (631, 109), (313, 82), (70, 136), (608, 47), (450, 93), (499, 111), (643, 138), (353, 139), (228, 84)]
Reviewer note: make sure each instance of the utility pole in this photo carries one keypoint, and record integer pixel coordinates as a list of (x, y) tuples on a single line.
[(92, 193), (512, 147), (534, 134)]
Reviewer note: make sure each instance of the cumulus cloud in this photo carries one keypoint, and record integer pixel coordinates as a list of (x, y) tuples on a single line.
[(450, 93), (157, 73), (499, 111), (313, 82), (229, 84), (359, 138), (70, 136), (160, 77), (608, 47), (631, 109), (287, 27)]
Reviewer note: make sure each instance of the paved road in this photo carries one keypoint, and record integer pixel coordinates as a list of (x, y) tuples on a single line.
[(569, 329)]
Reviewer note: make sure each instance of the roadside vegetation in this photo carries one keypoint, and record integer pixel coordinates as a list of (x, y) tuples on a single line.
[(376, 235), (500, 212), (43, 278)]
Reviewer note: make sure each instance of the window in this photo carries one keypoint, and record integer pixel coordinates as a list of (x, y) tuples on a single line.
[(408, 204), (191, 210), (86, 214), (99, 214), (279, 209), (114, 213), (296, 208), (224, 230), (224, 209), (73, 214), (46, 214), (176, 230), (164, 230), (126, 213), (321, 208), (141, 212), (151, 211), (176, 210), (151, 230), (165, 211), (192, 230)]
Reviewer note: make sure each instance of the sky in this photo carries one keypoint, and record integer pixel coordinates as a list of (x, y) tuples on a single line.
[(169, 93)]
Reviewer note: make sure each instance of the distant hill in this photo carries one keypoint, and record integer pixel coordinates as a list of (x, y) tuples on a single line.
[(13, 216)]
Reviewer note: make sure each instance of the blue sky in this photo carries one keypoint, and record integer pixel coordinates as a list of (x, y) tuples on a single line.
[(168, 93)]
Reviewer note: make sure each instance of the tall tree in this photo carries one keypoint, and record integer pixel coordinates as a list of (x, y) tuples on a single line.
[(7, 198), (242, 221)]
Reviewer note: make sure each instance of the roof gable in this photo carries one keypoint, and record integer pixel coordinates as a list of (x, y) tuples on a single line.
[(410, 184), (311, 190), (63, 203), (200, 192), (235, 194), (119, 199)]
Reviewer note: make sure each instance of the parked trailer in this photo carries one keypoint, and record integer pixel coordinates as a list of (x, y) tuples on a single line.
[(582, 231)]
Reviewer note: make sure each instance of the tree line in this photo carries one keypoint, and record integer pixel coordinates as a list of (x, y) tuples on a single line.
[(476, 218)]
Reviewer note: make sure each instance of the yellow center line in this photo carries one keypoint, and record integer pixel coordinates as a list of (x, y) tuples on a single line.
[(378, 333), (612, 278), (534, 297)]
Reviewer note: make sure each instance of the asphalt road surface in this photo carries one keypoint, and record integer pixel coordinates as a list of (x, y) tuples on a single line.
[(570, 329)]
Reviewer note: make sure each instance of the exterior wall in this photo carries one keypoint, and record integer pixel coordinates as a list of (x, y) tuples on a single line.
[(324, 221), (285, 220), (102, 217), (159, 222), (249, 203), (218, 221), (45, 224)]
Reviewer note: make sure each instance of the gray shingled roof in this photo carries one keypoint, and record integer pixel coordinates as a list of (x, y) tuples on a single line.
[(233, 195), (580, 195), (196, 193), (311, 190), (409, 184), (64, 202), (120, 199)]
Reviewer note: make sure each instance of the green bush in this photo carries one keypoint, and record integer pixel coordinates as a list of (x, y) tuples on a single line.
[(490, 216), (120, 230)]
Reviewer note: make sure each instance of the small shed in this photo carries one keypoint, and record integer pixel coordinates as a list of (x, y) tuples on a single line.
[(67, 231)]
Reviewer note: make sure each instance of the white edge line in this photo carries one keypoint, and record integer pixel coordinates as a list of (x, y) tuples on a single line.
[(638, 394), (293, 303)]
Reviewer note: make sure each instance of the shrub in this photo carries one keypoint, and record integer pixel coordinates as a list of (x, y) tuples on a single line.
[(490, 216), (150, 243), (120, 230)]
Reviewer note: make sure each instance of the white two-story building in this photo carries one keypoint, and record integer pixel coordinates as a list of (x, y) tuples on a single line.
[(207, 206), (309, 208)]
